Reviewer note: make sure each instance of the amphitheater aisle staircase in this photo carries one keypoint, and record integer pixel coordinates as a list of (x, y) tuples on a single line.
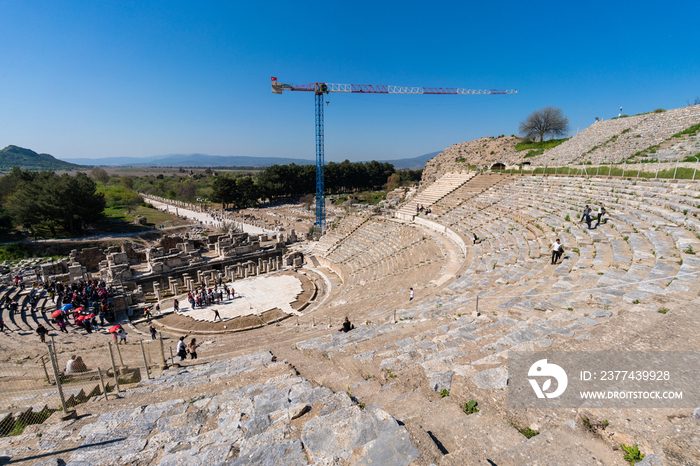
[(433, 193), (475, 186)]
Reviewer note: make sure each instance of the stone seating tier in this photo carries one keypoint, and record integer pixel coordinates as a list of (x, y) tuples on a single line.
[(616, 140)]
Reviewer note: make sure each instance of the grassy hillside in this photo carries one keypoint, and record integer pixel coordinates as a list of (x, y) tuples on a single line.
[(27, 159)]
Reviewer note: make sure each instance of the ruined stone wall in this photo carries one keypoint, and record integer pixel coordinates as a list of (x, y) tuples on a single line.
[(89, 258), (481, 153), (169, 242)]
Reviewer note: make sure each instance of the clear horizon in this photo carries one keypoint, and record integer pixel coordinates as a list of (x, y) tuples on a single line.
[(99, 80)]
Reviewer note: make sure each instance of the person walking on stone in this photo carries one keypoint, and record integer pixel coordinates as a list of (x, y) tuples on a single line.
[(589, 218), (193, 348), (410, 296), (122, 336), (600, 212), (41, 331), (586, 211), (557, 250), (176, 305), (182, 349), (216, 315), (152, 329)]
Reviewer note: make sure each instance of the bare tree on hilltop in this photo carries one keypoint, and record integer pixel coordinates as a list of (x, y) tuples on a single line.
[(548, 120)]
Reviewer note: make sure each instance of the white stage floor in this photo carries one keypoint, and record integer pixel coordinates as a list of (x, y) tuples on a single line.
[(253, 297)]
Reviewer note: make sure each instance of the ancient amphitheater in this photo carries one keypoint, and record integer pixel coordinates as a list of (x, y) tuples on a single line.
[(292, 390)]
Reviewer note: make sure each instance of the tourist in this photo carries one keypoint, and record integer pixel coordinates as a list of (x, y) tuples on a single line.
[(228, 292), (152, 329), (75, 364), (41, 330), (216, 315), (176, 305), (122, 336), (601, 211), (589, 218), (62, 326), (233, 293), (79, 365), (586, 211), (411, 295), (182, 349), (347, 326), (146, 313), (557, 250), (193, 348), (2, 325), (69, 364)]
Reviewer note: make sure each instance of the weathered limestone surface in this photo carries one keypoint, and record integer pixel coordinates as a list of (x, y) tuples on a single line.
[(282, 421)]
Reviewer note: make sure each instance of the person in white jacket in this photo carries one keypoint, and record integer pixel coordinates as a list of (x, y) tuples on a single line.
[(557, 249)]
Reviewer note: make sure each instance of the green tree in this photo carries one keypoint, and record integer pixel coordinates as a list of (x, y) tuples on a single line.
[(223, 190), (50, 201), (393, 182), (5, 221), (247, 192), (99, 174)]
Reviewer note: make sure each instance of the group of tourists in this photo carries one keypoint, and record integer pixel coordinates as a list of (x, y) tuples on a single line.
[(203, 296), (589, 215), (183, 349), (420, 208), (83, 302), (75, 364)]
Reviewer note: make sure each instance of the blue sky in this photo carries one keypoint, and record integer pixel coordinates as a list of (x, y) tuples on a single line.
[(139, 78)]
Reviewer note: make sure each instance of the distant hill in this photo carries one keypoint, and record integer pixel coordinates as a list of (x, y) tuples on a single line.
[(203, 160), (416, 163), (192, 160), (27, 159)]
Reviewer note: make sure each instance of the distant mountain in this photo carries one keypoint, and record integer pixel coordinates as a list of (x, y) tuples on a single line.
[(192, 160), (416, 163), (203, 160), (27, 159)]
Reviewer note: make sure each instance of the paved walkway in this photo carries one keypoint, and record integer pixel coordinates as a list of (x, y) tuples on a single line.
[(253, 297), (204, 217)]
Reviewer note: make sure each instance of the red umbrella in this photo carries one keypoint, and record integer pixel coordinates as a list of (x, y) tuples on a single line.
[(57, 313), (81, 308), (90, 316), (80, 319), (115, 328)]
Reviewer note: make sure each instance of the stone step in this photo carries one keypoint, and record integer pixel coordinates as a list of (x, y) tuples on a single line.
[(567, 445)]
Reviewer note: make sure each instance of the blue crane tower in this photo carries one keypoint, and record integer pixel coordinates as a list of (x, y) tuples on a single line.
[(324, 88)]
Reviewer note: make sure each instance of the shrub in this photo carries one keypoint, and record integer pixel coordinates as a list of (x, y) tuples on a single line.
[(470, 407), (632, 454)]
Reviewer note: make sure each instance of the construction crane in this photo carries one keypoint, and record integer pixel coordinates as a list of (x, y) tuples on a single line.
[(325, 88)]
